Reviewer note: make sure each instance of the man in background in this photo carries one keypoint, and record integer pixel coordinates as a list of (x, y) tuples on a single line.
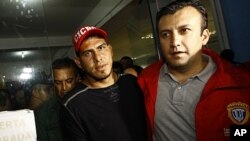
[(66, 76)]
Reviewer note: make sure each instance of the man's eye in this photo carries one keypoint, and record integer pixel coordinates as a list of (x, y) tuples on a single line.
[(165, 34), (87, 54), (101, 47), (184, 30), (57, 82), (69, 80)]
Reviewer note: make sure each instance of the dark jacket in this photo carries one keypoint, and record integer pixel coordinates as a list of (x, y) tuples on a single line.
[(47, 120), (114, 113)]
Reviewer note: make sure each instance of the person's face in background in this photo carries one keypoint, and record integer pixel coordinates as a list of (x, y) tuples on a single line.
[(95, 58), (65, 80), (40, 93), (181, 37)]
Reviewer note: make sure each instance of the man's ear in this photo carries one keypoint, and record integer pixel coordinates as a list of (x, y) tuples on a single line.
[(205, 36), (77, 61)]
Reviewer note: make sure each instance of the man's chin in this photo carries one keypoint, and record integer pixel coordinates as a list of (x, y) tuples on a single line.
[(101, 76)]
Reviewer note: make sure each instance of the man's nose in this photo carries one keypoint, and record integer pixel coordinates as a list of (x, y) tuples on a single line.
[(97, 56), (175, 40), (64, 86)]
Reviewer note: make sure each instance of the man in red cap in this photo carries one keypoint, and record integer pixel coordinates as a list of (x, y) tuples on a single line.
[(105, 106)]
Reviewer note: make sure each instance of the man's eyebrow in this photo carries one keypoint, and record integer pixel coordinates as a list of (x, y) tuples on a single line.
[(93, 47), (165, 30), (102, 45), (183, 26), (86, 51), (64, 79)]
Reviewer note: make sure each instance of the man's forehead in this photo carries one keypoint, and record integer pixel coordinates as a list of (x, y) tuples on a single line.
[(66, 78), (92, 42), (187, 16), (62, 70), (63, 73)]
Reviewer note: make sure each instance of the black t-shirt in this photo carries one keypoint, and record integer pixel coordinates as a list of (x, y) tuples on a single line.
[(115, 113)]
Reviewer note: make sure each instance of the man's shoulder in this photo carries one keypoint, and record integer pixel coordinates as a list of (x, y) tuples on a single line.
[(49, 104), (126, 79), (79, 88), (229, 72), (152, 69)]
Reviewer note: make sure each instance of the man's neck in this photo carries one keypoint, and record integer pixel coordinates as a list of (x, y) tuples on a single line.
[(93, 83), (181, 74)]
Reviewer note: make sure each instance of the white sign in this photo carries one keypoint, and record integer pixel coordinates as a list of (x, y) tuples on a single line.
[(17, 125)]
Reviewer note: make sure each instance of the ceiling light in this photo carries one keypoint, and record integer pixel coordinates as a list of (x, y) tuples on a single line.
[(22, 54), (27, 70), (25, 76)]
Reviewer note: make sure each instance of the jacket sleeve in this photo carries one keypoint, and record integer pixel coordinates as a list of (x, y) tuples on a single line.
[(71, 128)]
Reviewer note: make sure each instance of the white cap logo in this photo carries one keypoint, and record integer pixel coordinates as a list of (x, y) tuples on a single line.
[(81, 32)]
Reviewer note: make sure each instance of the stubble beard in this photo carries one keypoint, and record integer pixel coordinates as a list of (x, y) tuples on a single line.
[(100, 78)]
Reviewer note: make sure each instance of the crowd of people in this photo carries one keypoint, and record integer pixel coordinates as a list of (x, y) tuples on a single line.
[(126, 65), (192, 93), (32, 93)]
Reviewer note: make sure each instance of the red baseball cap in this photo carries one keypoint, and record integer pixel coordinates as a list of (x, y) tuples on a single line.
[(84, 32)]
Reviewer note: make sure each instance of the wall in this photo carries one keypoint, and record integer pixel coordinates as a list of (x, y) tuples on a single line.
[(237, 21)]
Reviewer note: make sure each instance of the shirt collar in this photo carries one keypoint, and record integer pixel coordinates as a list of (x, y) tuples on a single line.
[(204, 75)]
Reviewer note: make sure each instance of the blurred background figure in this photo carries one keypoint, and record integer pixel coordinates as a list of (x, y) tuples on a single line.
[(21, 100), (117, 67), (129, 67), (134, 70), (5, 102), (126, 62), (228, 55), (40, 93)]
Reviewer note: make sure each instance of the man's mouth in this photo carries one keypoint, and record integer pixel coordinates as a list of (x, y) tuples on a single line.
[(100, 67)]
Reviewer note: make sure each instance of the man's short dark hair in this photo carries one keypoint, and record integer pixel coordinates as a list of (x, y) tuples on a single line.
[(126, 62), (65, 62), (173, 7)]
